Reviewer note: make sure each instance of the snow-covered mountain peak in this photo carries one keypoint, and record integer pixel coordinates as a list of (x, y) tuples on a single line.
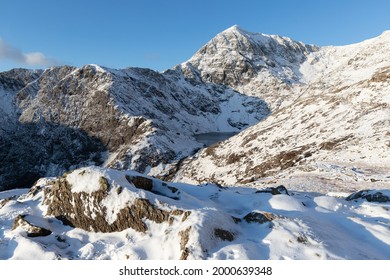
[(236, 39), (256, 37), (238, 33), (234, 28), (256, 64)]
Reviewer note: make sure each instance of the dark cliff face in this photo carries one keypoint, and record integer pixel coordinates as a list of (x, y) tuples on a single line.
[(31, 151)]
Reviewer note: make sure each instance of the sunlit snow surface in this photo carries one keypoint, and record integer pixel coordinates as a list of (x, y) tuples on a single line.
[(307, 225)]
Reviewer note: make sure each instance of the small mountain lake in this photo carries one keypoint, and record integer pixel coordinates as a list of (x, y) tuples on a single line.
[(210, 138)]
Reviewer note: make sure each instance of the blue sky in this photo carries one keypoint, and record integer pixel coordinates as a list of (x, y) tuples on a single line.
[(161, 34)]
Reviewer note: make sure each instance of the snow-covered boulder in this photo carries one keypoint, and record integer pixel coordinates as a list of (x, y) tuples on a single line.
[(100, 200), (95, 201)]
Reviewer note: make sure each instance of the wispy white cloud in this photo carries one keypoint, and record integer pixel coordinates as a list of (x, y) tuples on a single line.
[(8, 52)]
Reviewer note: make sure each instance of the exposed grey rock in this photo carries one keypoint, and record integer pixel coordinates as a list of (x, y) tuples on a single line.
[(369, 195), (140, 182), (259, 217), (223, 234), (275, 191), (302, 239), (4, 201), (32, 230)]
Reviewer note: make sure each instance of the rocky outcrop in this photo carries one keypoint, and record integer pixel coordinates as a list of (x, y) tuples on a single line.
[(32, 230), (87, 211), (259, 217), (141, 182), (16, 79), (223, 234), (4, 201), (370, 196), (275, 191), (184, 238), (106, 200)]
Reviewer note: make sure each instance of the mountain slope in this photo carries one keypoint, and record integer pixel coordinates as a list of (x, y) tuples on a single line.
[(132, 118), (334, 131)]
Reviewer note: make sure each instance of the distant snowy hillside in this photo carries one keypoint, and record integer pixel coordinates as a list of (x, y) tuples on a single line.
[(95, 213)]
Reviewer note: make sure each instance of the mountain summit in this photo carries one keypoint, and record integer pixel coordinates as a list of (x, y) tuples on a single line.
[(250, 62)]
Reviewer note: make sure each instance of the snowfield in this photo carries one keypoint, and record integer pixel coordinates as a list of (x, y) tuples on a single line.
[(224, 223)]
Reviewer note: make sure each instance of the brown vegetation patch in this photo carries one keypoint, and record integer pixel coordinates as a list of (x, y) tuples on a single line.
[(330, 145), (210, 151), (248, 138), (381, 76), (233, 158), (283, 160)]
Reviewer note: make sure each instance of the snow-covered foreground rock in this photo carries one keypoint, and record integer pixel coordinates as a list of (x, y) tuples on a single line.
[(97, 213)]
